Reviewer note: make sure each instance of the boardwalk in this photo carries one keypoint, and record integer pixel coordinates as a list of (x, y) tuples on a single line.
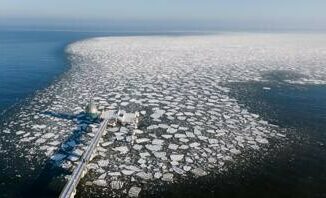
[(70, 188)]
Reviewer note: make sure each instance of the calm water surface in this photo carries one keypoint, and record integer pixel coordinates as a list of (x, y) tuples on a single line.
[(30, 60)]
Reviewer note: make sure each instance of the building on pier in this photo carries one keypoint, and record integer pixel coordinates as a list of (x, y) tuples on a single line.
[(121, 117), (91, 111)]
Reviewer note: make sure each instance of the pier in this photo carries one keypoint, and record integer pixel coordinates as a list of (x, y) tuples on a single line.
[(69, 189), (109, 118)]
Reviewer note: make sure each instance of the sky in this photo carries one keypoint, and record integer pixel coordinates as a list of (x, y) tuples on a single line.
[(205, 13)]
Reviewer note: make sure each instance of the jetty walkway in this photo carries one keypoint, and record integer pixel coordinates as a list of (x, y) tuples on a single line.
[(69, 189)]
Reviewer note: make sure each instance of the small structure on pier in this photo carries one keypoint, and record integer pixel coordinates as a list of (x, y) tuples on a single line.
[(121, 117), (91, 110)]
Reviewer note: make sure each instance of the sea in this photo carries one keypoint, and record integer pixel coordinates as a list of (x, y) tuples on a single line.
[(30, 60)]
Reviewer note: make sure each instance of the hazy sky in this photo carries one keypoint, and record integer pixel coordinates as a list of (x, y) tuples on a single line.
[(250, 12)]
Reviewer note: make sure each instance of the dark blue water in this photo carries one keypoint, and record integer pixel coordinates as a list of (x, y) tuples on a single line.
[(299, 168), (31, 60)]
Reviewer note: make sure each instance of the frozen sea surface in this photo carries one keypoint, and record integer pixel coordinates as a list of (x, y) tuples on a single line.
[(190, 126)]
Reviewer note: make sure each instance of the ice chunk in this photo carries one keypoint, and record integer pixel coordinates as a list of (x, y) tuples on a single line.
[(213, 141), (121, 149), (186, 168), (157, 114), (116, 185), (167, 177), (178, 170), (145, 176), (157, 175), (39, 126), (137, 147), (100, 182), (114, 173), (103, 163), (262, 140), (20, 132), (152, 147), (171, 130), (176, 157), (48, 135), (235, 151), (142, 140), (173, 146), (144, 155), (199, 172), (180, 135), (127, 172), (158, 141), (134, 168), (194, 144), (160, 155), (134, 191), (58, 157)]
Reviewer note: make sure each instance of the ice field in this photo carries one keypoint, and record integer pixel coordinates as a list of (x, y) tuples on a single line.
[(190, 126)]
